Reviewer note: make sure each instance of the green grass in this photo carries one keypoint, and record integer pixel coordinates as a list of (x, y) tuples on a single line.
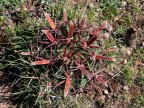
[(73, 12), (138, 101), (129, 72), (110, 8)]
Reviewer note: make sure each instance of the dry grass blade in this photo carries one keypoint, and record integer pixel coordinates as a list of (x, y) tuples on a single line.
[(49, 36), (71, 30), (92, 40), (50, 20), (99, 29), (41, 62), (67, 86), (26, 53), (85, 72), (59, 84), (64, 51)]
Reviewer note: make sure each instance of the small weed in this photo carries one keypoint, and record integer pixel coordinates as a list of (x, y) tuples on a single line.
[(138, 101), (129, 74), (110, 8)]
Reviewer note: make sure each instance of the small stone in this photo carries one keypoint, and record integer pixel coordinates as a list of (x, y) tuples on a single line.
[(91, 5), (105, 92), (116, 48), (106, 35), (108, 27), (96, 15), (25, 9), (128, 52), (124, 3), (43, 1), (77, 95), (125, 88), (125, 61)]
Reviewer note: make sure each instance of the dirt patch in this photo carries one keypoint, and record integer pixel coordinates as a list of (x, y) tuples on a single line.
[(5, 92), (117, 95)]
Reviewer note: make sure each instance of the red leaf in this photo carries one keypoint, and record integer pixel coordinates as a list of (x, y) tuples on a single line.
[(84, 45), (84, 71), (99, 29), (84, 60), (92, 40), (70, 53), (67, 86), (74, 53), (59, 84), (51, 54), (100, 57), (78, 59), (44, 42), (50, 20), (65, 16), (102, 81), (71, 30), (41, 62), (49, 36), (64, 51)]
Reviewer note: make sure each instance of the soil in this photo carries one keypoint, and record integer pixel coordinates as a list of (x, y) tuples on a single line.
[(5, 92)]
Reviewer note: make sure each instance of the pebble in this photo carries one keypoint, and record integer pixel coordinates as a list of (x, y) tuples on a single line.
[(105, 92), (124, 3), (77, 95), (106, 35), (108, 27), (128, 52), (125, 61), (91, 5), (125, 88)]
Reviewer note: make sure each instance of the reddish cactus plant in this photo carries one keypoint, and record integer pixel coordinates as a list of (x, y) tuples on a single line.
[(70, 49)]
